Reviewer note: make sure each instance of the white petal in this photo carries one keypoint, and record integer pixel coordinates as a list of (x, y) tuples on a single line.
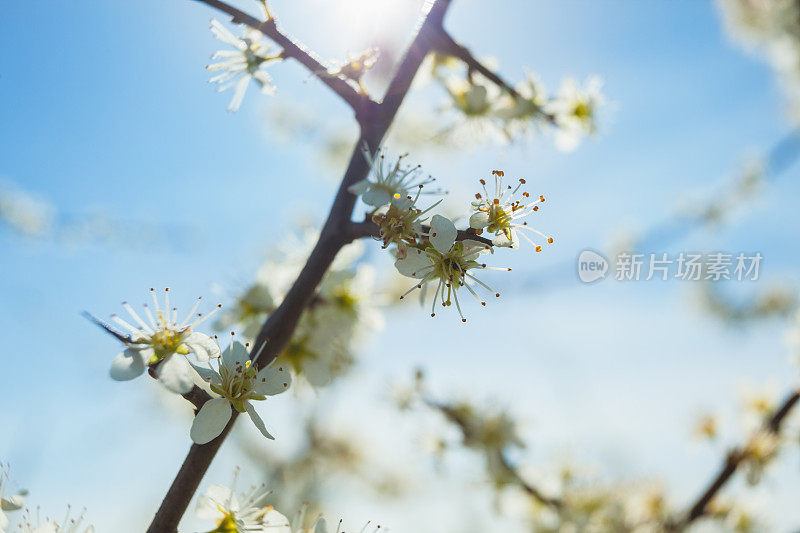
[(238, 93), (416, 264), (376, 197), (359, 187), (257, 420), (223, 34), (13, 503), (479, 220), (175, 373), (201, 346), (276, 379), (207, 374), (235, 354), (443, 233), (209, 503), (321, 526), (211, 420), (276, 522), (127, 365)]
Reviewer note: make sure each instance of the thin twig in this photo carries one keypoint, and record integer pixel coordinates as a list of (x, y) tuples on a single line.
[(295, 50), (448, 46), (732, 462), (279, 327)]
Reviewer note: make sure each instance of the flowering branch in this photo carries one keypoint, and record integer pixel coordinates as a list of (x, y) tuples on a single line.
[(733, 460), (446, 45), (279, 327), (296, 50)]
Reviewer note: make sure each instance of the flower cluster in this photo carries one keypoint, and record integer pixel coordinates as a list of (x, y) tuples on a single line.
[(433, 251), (249, 512), (341, 312), (163, 345), (487, 112)]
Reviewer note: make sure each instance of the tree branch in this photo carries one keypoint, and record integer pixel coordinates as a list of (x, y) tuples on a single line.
[(731, 464), (279, 327), (297, 51)]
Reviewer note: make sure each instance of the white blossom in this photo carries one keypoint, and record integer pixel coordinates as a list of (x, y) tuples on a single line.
[(574, 111), (242, 64), (67, 525), (390, 183), (8, 502), (236, 381), (446, 262), (232, 513), (499, 214), (162, 342), (477, 102)]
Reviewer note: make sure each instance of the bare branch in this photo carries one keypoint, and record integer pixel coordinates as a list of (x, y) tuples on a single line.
[(297, 51)]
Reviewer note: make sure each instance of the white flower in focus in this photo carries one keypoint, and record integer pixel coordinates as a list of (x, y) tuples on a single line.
[(233, 514), (67, 525), (243, 64), (391, 183), (8, 502), (162, 342), (236, 381), (401, 223), (574, 111), (446, 262), (499, 214)]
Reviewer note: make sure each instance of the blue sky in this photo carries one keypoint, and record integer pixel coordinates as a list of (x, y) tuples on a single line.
[(107, 109)]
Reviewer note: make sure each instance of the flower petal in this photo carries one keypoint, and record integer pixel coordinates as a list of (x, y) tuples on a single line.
[(273, 379), (479, 220), (274, 521), (175, 373), (127, 365), (257, 420), (209, 503), (443, 233), (376, 197), (416, 263), (211, 420), (202, 346), (235, 354)]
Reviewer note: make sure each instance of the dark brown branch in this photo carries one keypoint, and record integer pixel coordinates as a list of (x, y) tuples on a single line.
[(295, 50), (731, 464), (450, 47), (279, 327)]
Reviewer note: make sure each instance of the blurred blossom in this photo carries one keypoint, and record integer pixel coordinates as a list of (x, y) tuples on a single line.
[(475, 101), (772, 28), (342, 311), (574, 111), (706, 427), (24, 213), (234, 512)]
